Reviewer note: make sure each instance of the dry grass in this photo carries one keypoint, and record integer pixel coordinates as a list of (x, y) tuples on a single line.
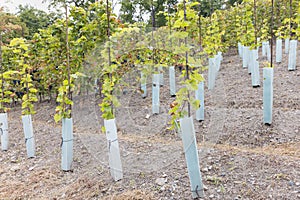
[(132, 195)]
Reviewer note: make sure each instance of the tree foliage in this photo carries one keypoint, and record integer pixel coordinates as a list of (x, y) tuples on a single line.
[(141, 10), (10, 26), (34, 19)]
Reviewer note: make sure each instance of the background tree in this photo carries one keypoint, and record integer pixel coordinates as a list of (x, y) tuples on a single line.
[(207, 7), (10, 26), (141, 10), (35, 19), (128, 11)]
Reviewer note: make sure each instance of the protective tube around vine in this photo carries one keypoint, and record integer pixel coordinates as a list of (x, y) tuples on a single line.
[(251, 60), (172, 81), (161, 76), (219, 60), (264, 48), (67, 144), (115, 164), (286, 45), (4, 131), (292, 55), (248, 62), (255, 78), (245, 56), (268, 52), (155, 94), (240, 50), (191, 156), (254, 57), (199, 95), (29, 137), (268, 95), (278, 50)]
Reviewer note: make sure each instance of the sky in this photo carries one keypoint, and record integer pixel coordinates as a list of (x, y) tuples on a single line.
[(11, 5)]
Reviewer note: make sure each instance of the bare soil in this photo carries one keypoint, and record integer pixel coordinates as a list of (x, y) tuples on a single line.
[(240, 157)]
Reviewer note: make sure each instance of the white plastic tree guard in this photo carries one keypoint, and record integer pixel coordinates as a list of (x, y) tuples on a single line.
[(268, 74), (216, 57), (255, 77), (144, 85), (199, 95), (250, 61), (268, 52), (191, 156), (4, 131), (172, 81), (250, 58), (253, 56), (240, 50), (245, 56), (212, 73), (29, 137), (279, 50), (220, 55), (115, 164), (264, 48), (67, 144), (219, 59), (286, 45), (155, 94), (292, 55), (161, 75), (256, 53)]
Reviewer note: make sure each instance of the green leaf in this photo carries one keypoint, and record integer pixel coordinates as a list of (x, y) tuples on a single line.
[(57, 117), (65, 82), (196, 104), (32, 90)]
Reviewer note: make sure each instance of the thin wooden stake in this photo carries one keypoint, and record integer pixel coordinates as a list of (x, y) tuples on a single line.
[(108, 48), (255, 28), (272, 21), (200, 28), (169, 23), (290, 22), (68, 58), (186, 59), (1, 70)]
